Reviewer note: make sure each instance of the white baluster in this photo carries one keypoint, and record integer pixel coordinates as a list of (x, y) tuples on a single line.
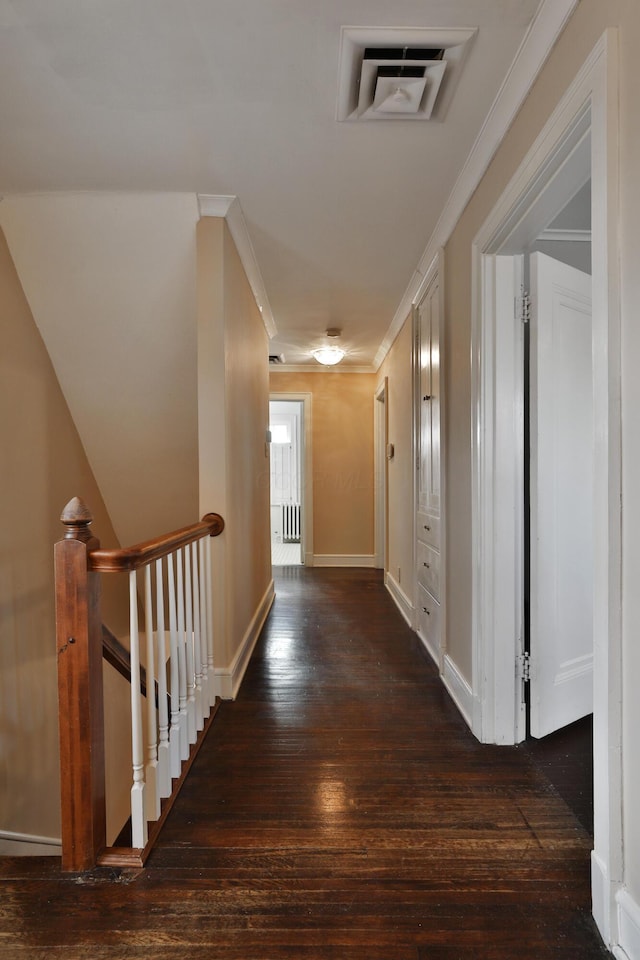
[(190, 671), (164, 766), (204, 630), (197, 647), (174, 733), (210, 664), (182, 660), (138, 819), (152, 795)]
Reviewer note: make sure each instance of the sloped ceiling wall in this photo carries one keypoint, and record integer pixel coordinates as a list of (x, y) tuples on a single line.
[(110, 279)]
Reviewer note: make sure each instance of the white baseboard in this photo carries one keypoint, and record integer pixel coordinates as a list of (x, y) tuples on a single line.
[(14, 844), (602, 899), (228, 679), (433, 651), (459, 690), (400, 599), (628, 927), (343, 560)]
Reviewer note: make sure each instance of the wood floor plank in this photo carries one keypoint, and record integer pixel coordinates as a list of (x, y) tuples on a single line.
[(338, 810)]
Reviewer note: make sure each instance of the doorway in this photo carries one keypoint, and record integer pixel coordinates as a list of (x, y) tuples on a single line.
[(579, 140), (380, 428), (286, 482), (294, 412), (503, 607), (558, 541)]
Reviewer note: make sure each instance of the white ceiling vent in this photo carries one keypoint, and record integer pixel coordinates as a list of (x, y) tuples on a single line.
[(389, 73)]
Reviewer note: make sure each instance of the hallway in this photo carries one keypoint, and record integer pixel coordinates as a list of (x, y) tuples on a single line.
[(339, 810)]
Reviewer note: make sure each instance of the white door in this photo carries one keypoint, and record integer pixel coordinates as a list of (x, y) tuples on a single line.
[(561, 495), (429, 400)]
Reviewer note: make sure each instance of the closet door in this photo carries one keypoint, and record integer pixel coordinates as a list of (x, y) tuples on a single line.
[(428, 480), (429, 400)]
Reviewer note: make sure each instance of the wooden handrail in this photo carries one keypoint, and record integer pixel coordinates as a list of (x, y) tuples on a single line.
[(132, 558), (80, 640), (117, 655)]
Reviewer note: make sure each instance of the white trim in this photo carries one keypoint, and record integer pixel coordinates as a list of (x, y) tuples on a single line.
[(592, 97), (629, 927), (433, 270), (380, 479), (315, 367), (607, 611), (553, 235), (344, 560), (544, 30), (434, 652), (228, 679), (603, 904), (458, 688), (401, 600), (497, 507), (229, 209)]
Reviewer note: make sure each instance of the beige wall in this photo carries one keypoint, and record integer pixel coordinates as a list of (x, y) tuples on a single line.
[(583, 31), (110, 279), (398, 371), (233, 405), (342, 446), (43, 465), (247, 466)]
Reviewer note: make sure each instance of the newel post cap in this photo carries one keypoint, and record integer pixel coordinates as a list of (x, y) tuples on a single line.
[(77, 518)]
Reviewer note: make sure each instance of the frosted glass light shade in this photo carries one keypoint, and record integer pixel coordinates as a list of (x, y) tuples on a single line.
[(328, 355)]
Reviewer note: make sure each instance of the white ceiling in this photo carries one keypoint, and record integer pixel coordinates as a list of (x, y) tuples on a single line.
[(238, 97)]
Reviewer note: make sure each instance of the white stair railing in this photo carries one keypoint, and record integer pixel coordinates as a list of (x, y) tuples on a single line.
[(169, 733)]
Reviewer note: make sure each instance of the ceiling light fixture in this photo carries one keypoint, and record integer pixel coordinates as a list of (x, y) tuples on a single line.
[(330, 354)]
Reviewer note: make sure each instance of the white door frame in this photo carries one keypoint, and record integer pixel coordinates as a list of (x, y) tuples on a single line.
[(590, 103), (306, 461), (380, 429)]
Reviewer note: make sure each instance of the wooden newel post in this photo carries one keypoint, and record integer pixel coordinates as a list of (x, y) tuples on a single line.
[(80, 692)]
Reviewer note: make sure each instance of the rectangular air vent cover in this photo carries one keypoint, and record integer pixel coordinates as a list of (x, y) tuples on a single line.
[(396, 74)]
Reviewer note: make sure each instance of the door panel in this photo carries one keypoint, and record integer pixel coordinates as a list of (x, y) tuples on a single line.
[(428, 581), (561, 477), (429, 401)]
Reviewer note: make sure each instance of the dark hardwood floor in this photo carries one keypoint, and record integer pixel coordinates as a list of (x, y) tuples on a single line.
[(566, 758), (339, 810)]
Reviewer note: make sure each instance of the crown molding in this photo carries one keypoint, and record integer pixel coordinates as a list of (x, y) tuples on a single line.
[(229, 209), (565, 236), (318, 368), (545, 28)]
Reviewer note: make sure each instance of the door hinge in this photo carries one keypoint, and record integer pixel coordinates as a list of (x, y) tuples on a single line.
[(523, 308), (523, 667)]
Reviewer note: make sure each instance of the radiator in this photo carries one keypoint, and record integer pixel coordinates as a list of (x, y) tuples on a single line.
[(291, 523)]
